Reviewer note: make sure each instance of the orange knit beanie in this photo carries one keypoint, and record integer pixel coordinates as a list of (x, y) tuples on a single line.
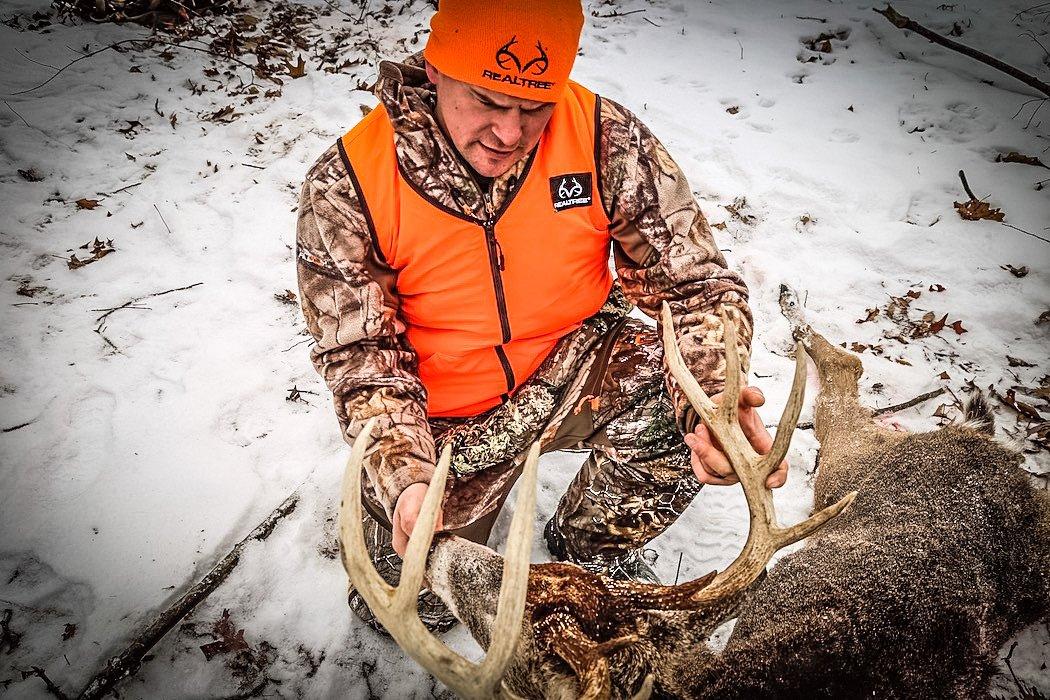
[(523, 48)]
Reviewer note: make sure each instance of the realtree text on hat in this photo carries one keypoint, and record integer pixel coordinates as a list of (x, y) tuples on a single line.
[(523, 48)]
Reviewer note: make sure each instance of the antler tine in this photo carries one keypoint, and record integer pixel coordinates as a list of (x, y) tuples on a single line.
[(697, 397), (764, 536), (789, 418), (511, 606), (729, 408), (395, 608)]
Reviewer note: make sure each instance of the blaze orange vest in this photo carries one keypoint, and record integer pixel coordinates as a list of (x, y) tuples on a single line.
[(484, 302)]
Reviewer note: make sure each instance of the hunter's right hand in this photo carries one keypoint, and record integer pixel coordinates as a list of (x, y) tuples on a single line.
[(406, 512)]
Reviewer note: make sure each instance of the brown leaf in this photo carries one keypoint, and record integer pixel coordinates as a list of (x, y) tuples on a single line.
[(938, 326), (1015, 271), (228, 638), (174, 118), (365, 110), (69, 632), (1015, 157), (298, 69), (858, 347), (871, 314), (958, 328), (975, 210), (944, 375), (87, 203), (1017, 362), (1027, 410), (732, 109), (721, 226), (902, 361), (99, 250), (287, 298), (937, 287), (912, 294)]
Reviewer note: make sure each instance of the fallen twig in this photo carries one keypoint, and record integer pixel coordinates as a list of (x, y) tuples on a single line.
[(127, 662), (131, 304), (903, 22), (17, 114), (12, 429), (1027, 233), (165, 222), (908, 404), (808, 425), (51, 687), (77, 60)]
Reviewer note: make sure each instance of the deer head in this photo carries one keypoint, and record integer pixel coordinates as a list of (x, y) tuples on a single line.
[(556, 630)]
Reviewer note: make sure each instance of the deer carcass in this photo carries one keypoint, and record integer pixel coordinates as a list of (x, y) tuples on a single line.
[(942, 558), (555, 630)]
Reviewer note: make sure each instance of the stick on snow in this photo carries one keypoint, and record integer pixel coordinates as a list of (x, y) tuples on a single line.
[(127, 662)]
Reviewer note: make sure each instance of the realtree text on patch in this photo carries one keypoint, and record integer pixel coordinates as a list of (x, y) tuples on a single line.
[(571, 190)]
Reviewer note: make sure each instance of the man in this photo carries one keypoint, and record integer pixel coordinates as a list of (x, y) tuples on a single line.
[(453, 253)]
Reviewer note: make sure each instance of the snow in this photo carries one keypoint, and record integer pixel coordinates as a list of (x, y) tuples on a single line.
[(152, 447)]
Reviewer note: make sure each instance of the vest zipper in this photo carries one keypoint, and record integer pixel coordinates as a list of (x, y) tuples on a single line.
[(496, 265)]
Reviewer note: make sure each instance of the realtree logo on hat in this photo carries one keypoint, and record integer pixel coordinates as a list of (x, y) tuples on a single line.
[(523, 48), (507, 59)]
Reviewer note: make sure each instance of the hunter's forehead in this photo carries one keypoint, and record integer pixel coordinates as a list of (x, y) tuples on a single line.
[(503, 100)]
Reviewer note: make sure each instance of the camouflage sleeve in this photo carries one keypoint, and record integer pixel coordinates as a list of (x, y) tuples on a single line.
[(350, 304), (664, 250)]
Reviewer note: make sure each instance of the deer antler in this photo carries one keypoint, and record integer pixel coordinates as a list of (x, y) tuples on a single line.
[(764, 536), (395, 608)]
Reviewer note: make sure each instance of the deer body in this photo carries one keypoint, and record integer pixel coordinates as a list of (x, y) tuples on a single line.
[(943, 556)]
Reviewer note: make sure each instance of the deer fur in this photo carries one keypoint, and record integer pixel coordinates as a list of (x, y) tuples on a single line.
[(911, 593)]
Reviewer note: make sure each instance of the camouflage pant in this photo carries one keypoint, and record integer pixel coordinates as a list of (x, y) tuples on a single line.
[(635, 482)]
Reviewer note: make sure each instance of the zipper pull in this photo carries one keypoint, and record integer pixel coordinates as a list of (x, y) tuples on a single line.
[(499, 254)]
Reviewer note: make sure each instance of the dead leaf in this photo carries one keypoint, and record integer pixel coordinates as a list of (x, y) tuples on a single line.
[(298, 69), (228, 638), (30, 175), (99, 250), (901, 361), (1017, 362), (287, 298), (1015, 271), (129, 130), (912, 294), (872, 313), (69, 632), (975, 210), (225, 115), (1043, 318), (732, 109), (721, 226), (958, 328), (850, 108), (1015, 157), (944, 375), (937, 287), (174, 118), (365, 110), (87, 203), (938, 326)]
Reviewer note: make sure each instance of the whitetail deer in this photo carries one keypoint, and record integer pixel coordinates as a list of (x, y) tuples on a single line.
[(556, 630), (943, 557), (910, 593)]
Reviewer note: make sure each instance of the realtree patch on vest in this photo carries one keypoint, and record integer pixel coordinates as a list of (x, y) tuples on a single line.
[(572, 190)]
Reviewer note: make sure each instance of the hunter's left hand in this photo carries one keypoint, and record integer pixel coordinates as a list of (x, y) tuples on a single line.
[(709, 462)]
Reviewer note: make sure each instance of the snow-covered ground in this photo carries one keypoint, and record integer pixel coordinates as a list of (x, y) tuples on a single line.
[(136, 450)]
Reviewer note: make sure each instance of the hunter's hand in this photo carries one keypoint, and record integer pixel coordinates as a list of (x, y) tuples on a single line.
[(709, 462), (406, 512)]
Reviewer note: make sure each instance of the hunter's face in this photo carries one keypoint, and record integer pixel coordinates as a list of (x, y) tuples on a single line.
[(492, 131)]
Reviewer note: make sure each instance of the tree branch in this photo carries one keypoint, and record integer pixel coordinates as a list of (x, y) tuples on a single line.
[(902, 22)]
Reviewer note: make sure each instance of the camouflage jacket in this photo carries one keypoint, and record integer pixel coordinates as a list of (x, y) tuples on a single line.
[(662, 245)]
